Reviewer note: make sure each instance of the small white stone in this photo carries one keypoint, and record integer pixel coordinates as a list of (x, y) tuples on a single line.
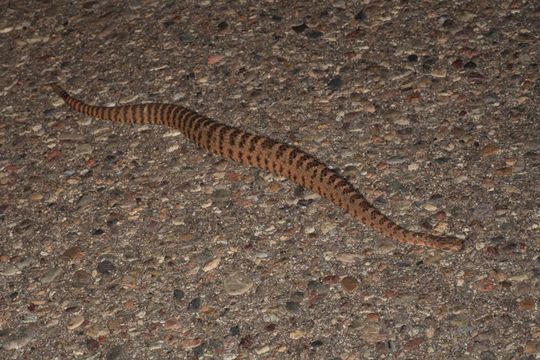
[(212, 265), (347, 258), (413, 167), (326, 227), (172, 133), (309, 230), (237, 284), (430, 207), (75, 322), (297, 334), (441, 228), (85, 121), (206, 204), (312, 196), (37, 127), (6, 30), (519, 278), (58, 102), (439, 73), (262, 350), (178, 221)]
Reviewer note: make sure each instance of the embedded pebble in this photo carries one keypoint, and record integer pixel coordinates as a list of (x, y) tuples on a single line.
[(82, 278), (262, 350), (489, 150), (297, 334), (396, 160), (527, 304), (16, 342), (413, 167), (73, 253), (347, 258), (188, 344), (237, 284), (211, 265), (327, 227), (430, 207), (84, 149), (51, 275), (36, 197), (129, 282), (173, 324), (309, 230), (178, 294), (75, 322), (6, 29), (370, 332), (115, 353), (349, 283), (25, 262), (221, 195), (314, 34), (368, 107), (106, 267), (214, 59), (96, 332), (8, 269), (335, 83), (439, 73), (292, 306)]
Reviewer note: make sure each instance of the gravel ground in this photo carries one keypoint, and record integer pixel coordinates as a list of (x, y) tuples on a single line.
[(124, 242)]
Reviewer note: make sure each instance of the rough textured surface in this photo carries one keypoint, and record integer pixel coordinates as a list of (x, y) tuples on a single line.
[(124, 242)]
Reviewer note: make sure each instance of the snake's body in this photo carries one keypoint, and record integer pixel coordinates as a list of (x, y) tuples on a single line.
[(262, 152)]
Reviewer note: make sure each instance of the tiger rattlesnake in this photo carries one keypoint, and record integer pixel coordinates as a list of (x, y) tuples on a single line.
[(265, 153)]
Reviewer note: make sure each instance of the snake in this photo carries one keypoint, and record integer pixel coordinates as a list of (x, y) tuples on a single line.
[(236, 144)]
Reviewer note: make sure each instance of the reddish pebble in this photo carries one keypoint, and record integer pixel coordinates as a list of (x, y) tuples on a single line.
[(440, 215), (10, 168), (457, 64), (232, 176), (489, 150), (53, 155), (485, 285), (172, 324), (491, 251), (414, 98), (527, 304), (414, 343), (214, 59), (73, 253), (92, 345), (349, 283), (191, 343), (505, 171)]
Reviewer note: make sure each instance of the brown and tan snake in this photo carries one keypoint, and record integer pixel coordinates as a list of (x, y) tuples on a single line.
[(265, 153)]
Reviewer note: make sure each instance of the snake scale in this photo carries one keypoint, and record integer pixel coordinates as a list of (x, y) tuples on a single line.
[(262, 152)]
